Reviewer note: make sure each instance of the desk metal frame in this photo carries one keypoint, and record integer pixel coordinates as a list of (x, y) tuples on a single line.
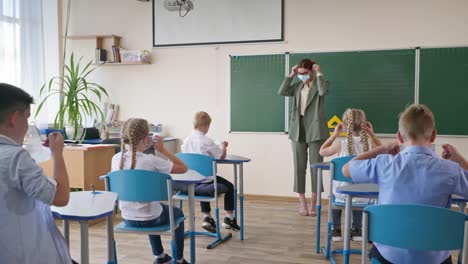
[(84, 234), (354, 190), (238, 163)]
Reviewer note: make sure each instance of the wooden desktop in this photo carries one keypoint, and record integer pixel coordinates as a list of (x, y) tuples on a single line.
[(84, 165)]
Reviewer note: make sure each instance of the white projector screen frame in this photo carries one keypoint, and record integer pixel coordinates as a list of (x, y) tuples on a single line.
[(219, 22)]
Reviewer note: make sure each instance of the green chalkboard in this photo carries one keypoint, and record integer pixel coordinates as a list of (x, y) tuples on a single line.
[(255, 80), (444, 87), (379, 82)]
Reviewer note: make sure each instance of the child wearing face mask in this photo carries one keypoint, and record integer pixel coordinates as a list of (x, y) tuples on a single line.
[(135, 137), (308, 128)]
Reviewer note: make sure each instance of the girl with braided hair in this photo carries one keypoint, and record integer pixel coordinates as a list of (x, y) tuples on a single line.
[(135, 139), (360, 138)]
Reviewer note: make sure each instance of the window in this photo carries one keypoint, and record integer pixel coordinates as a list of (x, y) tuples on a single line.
[(23, 60), (10, 55)]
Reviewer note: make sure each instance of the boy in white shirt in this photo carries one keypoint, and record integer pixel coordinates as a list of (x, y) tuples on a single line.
[(199, 143)]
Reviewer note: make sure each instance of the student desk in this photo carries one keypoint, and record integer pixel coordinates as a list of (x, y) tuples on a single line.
[(354, 190), (86, 206), (85, 141), (190, 178), (85, 163), (320, 167), (170, 143), (237, 161)]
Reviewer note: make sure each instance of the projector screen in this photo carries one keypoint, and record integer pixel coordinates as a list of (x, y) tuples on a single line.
[(216, 21)]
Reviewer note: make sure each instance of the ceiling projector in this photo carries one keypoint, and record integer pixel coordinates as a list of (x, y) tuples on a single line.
[(177, 5)]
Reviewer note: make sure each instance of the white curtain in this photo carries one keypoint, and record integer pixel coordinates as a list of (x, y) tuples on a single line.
[(22, 47)]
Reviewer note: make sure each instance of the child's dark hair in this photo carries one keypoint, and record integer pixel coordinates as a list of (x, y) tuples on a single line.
[(12, 99), (306, 64)]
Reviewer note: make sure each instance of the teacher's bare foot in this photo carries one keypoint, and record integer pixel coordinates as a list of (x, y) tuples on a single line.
[(303, 210), (313, 207)]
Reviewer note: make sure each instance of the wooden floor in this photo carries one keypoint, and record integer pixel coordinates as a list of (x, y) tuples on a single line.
[(274, 233)]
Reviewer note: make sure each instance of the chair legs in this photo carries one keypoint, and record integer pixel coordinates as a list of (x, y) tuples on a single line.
[(329, 253), (174, 252), (329, 238), (219, 238), (115, 252), (319, 215)]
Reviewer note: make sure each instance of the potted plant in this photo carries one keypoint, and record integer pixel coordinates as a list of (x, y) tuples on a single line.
[(75, 103)]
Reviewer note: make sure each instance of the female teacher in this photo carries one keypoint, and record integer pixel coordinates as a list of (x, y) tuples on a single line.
[(307, 126)]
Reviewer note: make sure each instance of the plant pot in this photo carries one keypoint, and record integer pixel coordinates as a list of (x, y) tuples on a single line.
[(70, 131)]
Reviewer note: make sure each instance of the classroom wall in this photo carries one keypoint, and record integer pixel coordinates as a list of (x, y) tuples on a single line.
[(183, 80)]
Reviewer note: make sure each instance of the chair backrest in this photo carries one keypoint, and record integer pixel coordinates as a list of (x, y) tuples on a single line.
[(336, 165), (140, 185), (416, 227), (202, 164)]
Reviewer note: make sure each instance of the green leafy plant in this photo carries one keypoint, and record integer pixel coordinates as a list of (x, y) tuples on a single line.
[(74, 91)]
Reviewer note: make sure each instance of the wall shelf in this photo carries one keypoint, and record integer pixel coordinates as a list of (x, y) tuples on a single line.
[(115, 42), (99, 39), (121, 63)]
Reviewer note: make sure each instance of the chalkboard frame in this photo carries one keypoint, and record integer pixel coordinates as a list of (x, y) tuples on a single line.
[(216, 42)]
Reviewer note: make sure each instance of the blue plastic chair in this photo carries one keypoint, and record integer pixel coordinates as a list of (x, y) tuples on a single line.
[(206, 166), (144, 186), (336, 174), (416, 227)]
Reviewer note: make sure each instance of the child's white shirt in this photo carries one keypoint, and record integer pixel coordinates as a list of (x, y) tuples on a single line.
[(358, 148), (197, 142), (134, 210)]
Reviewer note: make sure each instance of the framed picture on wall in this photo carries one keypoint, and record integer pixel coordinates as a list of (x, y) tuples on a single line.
[(202, 22)]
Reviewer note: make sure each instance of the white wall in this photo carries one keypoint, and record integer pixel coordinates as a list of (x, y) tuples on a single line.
[(183, 80)]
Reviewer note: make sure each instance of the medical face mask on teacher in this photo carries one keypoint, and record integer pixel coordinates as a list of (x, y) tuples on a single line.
[(303, 77)]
